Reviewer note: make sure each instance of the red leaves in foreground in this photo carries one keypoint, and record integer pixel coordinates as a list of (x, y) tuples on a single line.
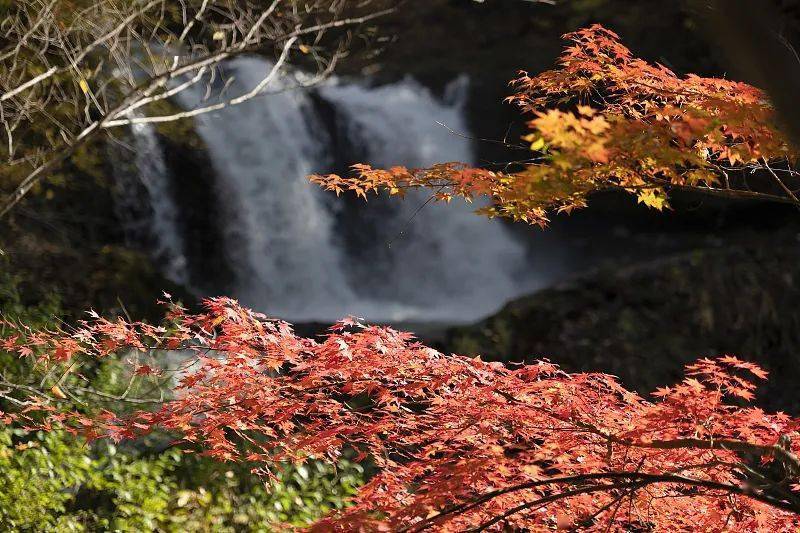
[(456, 443)]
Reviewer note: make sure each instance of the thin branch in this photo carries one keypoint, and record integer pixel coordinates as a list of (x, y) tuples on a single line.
[(783, 186), (86, 51), (28, 84), (213, 107), (146, 89), (637, 480)]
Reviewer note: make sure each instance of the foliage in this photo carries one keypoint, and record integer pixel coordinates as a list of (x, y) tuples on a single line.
[(457, 443), (46, 477), (452, 443), (55, 481), (606, 119)]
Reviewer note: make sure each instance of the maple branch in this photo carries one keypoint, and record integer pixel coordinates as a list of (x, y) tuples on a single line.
[(775, 450), (125, 398), (549, 499), (640, 477), (780, 182), (66, 389), (736, 194), (639, 480), (31, 390)]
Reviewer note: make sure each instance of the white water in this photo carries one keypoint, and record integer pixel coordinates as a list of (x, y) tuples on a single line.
[(447, 264), (284, 239), (160, 216)]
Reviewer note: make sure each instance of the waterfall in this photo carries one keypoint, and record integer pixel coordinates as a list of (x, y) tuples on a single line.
[(444, 262), (277, 230), (146, 202), (290, 244)]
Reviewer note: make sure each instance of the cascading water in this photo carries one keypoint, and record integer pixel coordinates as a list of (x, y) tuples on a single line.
[(277, 229), (147, 204), (287, 241), (441, 261)]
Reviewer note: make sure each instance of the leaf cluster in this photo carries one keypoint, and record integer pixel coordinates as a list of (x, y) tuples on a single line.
[(604, 119), (57, 481), (455, 443)]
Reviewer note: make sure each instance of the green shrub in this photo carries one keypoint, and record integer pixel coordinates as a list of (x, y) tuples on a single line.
[(59, 482)]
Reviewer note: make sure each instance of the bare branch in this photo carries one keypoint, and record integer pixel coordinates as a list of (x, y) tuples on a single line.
[(67, 81), (207, 109)]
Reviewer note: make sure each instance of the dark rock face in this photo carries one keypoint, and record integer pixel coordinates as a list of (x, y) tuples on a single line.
[(644, 323), (66, 241), (200, 218)]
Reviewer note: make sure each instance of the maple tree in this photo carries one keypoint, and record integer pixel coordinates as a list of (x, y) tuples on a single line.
[(454, 443), (605, 119)]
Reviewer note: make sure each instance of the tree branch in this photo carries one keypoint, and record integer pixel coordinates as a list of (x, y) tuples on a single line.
[(144, 92)]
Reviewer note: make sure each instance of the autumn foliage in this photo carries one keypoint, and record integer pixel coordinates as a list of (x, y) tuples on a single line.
[(453, 443), (604, 119)]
